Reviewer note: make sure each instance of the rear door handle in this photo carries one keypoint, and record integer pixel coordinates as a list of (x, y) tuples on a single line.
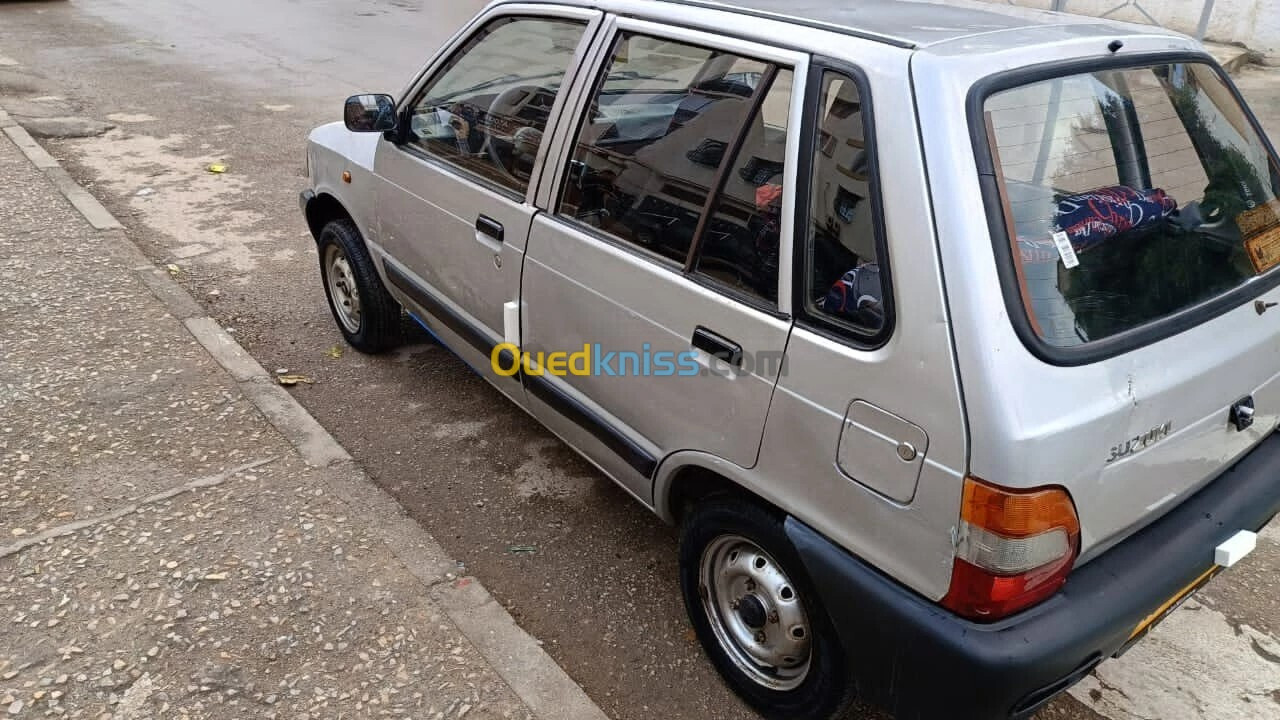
[(717, 346), (488, 226)]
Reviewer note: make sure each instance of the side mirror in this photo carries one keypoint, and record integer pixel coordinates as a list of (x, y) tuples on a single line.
[(370, 113)]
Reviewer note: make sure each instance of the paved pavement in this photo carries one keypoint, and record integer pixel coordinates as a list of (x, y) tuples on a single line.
[(187, 82), (166, 551)]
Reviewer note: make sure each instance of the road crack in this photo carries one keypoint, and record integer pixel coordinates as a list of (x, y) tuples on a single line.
[(77, 526)]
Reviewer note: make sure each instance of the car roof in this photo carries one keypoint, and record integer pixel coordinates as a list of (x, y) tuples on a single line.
[(910, 23)]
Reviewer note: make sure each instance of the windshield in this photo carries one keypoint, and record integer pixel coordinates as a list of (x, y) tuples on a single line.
[(1130, 195)]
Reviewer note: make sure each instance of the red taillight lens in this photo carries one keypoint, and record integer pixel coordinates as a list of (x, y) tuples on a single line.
[(1016, 549)]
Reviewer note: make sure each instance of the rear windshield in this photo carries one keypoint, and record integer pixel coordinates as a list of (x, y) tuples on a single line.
[(1130, 195)]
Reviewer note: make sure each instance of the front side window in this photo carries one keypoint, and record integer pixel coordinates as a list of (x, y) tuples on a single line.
[(679, 137), (1130, 195), (487, 110)]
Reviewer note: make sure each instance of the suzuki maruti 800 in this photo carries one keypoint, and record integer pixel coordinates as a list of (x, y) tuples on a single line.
[(947, 336)]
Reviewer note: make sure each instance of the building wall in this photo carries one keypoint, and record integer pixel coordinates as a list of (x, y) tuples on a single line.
[(1253, 23)]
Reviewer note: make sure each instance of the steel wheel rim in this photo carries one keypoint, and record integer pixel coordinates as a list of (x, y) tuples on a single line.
[(755, 612), (342, 288)]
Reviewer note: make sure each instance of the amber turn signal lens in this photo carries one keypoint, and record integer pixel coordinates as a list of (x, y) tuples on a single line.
[(1018, 513)]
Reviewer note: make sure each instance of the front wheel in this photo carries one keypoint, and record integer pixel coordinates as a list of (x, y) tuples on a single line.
[(367, 315), (757, 615)]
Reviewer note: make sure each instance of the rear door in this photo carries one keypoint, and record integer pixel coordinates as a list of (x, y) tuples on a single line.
[(657, 263), (455, 190)]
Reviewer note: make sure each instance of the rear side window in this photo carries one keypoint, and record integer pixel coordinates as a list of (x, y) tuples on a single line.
[(680, 155), (844, 283), (1130, 195), (486, 111)]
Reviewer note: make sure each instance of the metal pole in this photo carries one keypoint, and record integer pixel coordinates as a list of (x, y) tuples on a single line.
[(1204, 20), (1053, 115)]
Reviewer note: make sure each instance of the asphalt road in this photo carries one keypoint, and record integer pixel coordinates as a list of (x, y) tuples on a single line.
[(191, 82)]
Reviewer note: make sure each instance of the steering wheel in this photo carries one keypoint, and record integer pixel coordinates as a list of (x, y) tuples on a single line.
[(502, 127)]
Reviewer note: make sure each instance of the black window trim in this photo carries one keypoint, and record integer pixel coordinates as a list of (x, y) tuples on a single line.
[(684, 269), (826, 325), (400, 138), (1142, 335)]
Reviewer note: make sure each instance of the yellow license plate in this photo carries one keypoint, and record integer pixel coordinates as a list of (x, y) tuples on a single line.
[(1167, 607)]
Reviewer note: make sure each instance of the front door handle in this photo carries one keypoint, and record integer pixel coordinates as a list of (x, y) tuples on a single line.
[(488, 226), (717, 346)]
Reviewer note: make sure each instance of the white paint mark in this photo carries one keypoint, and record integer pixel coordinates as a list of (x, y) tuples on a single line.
[(284, 255), (133, 701), (182, 252), (463, 430), (277, 108), (199, 208), (126, 118), (537, 476), (1161, 501), (8, 62), (1193, 665)]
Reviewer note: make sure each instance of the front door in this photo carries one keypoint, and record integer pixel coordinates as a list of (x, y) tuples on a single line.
[(453, 192), (658, 264)]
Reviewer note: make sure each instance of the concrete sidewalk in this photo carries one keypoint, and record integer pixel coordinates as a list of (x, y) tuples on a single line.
[(179, 539)]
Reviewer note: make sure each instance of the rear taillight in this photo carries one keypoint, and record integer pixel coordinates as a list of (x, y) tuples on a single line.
[(1015, 549)]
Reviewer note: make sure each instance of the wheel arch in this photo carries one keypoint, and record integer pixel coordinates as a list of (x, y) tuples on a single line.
[(686, 477), (323, 209)]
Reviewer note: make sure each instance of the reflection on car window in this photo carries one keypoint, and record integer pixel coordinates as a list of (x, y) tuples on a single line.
[(487, 110), (654, 136), (741, 240), (843, 282), (1130, 195)]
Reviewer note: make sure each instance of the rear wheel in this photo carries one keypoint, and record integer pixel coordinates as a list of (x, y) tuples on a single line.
[(756, 614), (365, 312)]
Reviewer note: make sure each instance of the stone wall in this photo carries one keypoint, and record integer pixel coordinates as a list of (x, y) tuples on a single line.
[(1253, 23)]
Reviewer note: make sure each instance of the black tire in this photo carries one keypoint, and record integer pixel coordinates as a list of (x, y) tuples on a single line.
[(826, 690), (377, 327)]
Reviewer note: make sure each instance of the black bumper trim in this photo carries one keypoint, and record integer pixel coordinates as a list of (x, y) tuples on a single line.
[(470, 333), (912, 657), (611, 437), (633, 454)]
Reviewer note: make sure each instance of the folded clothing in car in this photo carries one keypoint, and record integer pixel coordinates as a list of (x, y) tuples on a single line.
[(1092, 218), (858, 296)]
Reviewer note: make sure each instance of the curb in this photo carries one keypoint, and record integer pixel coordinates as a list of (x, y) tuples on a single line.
[(517, 657)]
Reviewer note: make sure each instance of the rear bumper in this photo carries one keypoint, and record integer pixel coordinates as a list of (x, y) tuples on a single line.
[(918, 660)]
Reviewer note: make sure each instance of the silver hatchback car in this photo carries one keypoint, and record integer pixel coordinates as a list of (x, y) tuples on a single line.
[(944, 334)]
